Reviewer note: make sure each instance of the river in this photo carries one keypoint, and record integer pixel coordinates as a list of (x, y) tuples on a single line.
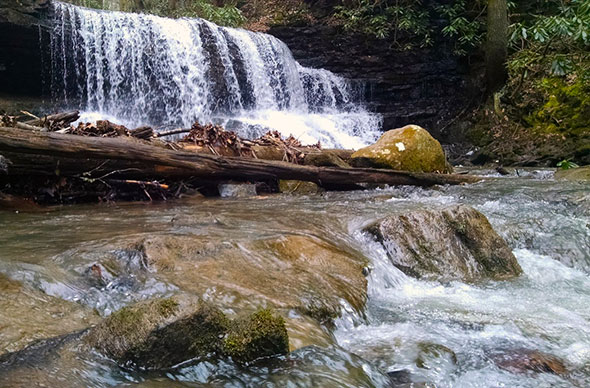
[(420, 332)]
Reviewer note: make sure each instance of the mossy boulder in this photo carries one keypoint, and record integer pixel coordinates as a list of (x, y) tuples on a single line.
[(574, 174), (162, 333), (456, 243), (410, 148), (262, 334)]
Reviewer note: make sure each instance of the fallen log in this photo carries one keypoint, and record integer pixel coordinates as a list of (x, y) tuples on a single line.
[(135, 154)]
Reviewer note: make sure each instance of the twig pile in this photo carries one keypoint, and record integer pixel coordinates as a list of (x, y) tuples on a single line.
[(215, 137), (290, 146), (104, 128)]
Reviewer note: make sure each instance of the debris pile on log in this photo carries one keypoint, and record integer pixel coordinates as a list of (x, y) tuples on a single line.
[(59, 163)]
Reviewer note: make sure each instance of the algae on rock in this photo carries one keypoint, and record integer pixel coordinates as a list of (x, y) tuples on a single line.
[(262, 334), (162, 333)]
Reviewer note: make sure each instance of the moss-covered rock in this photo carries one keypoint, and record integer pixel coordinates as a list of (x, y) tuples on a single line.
[(160, 333), (410, 148), (566, 110), (262, 334), (574, 174), (456, 243), (298, 187)]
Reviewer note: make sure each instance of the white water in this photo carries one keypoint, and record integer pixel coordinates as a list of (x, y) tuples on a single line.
[(545, 309), (143, 69)]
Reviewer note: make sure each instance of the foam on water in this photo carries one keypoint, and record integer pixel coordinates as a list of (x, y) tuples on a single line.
[(142, 69), (544, 310)]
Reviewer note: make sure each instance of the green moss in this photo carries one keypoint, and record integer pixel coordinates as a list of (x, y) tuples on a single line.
[(566, 110), (167, 307), (321, 313), (262, 334)]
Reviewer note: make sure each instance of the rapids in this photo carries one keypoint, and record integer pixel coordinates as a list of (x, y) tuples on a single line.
[(546, 223)]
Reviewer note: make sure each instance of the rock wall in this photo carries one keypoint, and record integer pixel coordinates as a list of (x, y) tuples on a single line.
[(428, 87), (24, 38)]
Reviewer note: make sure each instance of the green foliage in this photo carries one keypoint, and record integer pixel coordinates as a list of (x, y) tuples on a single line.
[(379, 19), (566, 164), (467, 32), (553, 38), (228, 15), (410, 23)]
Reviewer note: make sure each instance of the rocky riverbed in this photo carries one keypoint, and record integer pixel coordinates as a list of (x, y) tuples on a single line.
[(353, 315)]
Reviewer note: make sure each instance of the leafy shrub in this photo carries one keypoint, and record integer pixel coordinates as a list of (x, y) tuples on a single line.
[(411, 23)]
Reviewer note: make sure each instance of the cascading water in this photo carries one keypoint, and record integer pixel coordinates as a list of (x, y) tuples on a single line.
[(143, 69)]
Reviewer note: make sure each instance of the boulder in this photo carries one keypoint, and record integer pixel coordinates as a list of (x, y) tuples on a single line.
[(410, 148), (456, 243), (261, 334), (237, 190), (574, 174), (325, 158), (162, 333), (298, 187)]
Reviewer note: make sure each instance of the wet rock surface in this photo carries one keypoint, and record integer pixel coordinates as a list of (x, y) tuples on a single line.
[(456, 243), (574, 174), (29, 315), (526, 360), (410, 148), (162, 333)]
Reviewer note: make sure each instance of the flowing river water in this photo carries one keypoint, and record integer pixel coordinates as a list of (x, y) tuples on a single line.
[(422, 333)]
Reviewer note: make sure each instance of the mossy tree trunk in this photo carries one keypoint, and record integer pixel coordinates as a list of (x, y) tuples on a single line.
[(497, 44)]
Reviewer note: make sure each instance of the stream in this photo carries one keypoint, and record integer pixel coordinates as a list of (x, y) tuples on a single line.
[(409, 333)]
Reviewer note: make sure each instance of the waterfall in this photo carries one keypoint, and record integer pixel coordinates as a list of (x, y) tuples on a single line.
[(142, 69)]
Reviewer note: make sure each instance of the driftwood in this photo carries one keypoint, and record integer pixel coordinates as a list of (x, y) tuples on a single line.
[(127, 159), (59, 119)]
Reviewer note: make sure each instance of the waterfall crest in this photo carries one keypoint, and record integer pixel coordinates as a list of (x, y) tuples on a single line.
[(145, 69)]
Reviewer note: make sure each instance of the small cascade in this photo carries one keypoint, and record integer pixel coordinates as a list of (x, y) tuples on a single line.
[(144, 69)]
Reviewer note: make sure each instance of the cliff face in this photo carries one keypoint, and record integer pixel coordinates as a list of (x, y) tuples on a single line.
[(24, 44), (428, 87)]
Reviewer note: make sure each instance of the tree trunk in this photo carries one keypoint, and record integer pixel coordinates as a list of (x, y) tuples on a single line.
[(133, 158), (497, 44)]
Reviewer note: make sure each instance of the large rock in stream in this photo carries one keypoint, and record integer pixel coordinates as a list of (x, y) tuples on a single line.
[(162, 333), (456, 243), (410, 148)]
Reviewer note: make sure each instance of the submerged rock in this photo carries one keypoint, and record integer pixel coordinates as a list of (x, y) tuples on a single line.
[(162, 333), (574, 174), (29, 315), (410, 148), (435, 356), (456, 243), (305, 277), (525, 360)]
